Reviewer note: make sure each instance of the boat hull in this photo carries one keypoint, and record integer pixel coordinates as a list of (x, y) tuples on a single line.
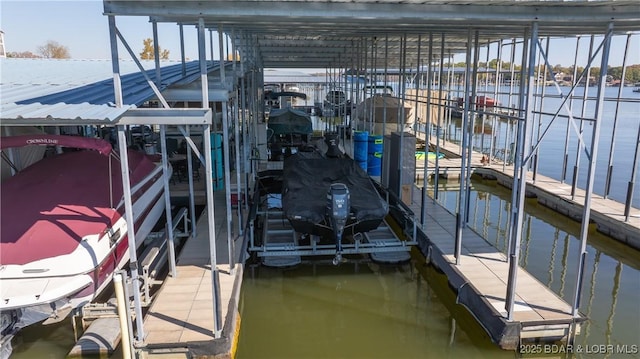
[(47, 287)]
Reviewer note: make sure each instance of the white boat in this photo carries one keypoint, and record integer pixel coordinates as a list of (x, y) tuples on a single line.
[(63, 228)]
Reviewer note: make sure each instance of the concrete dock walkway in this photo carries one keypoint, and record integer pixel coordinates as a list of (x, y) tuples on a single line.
[(181, 318), (607, 214)]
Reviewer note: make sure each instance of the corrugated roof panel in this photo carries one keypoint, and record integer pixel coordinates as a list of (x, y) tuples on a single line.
[(59, 91), (135, 89), (60, 114)]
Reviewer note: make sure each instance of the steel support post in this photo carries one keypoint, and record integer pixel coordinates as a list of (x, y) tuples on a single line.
[(402, 93), (471, 122), (520, 168), (593, 156), (236, 132), (565, 158), (607, 185), (206, 136), (632, 180), (183, 59), (227, 158), (460, 222), (156, 54), (117, 85), (131, 236), (440, 114), (519, 151), (580, 145), (192, 200), (167, 201), (126, 184)]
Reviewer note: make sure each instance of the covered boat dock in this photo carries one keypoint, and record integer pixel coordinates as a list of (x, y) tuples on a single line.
[(365, 38)]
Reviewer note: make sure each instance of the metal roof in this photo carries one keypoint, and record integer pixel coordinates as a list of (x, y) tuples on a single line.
[(56, 92), (340, 33)]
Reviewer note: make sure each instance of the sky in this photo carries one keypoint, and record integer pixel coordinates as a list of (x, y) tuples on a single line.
[(83, 29)]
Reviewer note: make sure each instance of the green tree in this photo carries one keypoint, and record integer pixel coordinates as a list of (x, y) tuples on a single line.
[(147, 51), (53, 50)]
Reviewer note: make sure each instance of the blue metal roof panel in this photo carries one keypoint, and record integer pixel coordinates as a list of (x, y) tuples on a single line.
[(79, 90), (135, 89)]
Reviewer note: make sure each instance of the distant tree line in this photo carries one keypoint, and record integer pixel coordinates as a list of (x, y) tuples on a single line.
[(53, 50), (50, 50)]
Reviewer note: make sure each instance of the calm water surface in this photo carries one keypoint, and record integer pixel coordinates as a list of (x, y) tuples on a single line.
[(366, 310), (355, 310)]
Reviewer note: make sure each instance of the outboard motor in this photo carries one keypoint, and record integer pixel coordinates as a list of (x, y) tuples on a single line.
[(338, 208), (332, 141)]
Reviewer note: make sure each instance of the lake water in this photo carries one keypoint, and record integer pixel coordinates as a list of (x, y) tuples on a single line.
[(552, 145), (366, 310)]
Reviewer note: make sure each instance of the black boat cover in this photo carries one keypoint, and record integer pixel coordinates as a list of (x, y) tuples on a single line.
[(307, 177)]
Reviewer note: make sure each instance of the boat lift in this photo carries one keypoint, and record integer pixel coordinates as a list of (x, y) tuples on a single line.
[(280, 245)]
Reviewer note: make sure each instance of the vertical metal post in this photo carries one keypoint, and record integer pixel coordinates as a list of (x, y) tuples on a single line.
[(167, 201), (607, 185), (423, 213), (632, 180), (565, 159), (227, 159), (117, 85), (183, 60), (126, 184), (192, 201), (520, 168), (536, 159), (401, 113), (384, 103), (440, 113), (215, 274), (238, 166), (156, 53), (484, 106), (131, 236), (236, 134), (246, 146), (576, 167), (472, 122), (211, 52), (428, 120), (519, 151), (460, 222), (593, 155)]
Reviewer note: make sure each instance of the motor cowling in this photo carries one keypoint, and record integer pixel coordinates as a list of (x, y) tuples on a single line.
[(338, 209)]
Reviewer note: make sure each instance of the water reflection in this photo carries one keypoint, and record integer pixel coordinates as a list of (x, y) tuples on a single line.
[(550, 251), (365, 310), (355, 310)]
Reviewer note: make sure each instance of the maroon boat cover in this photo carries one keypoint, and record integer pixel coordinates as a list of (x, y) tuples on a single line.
[(48, 207), (99, 145)]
